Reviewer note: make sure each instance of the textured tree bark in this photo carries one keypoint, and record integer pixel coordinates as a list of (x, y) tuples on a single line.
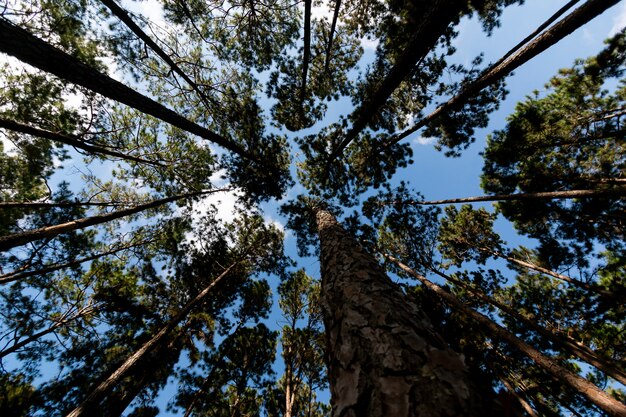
[(384, 356)]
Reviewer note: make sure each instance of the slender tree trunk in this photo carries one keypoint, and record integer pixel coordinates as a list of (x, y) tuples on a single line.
[(306, 57), (610, 368), (289, 388), (103, 389), (616, 192), (128, 21), (431, 24), (70, 140), (598, 397), (18, 239), (384, 357), (27, 48), (331, 35), (582, 15), (144, 373), (199, 393), (522, 402), (17, 275), (57, 323), (528, 265), (36, 204)]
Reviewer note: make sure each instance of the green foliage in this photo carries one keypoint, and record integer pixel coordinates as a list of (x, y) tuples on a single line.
[(16, 395), (569, 139), (467, 235)]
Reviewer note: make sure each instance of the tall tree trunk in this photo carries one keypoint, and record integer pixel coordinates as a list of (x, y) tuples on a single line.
[(610, 368), (306, 56), (594, 394), (70, 140), (27, 48), (121, 14), (429, 27), (582, 15), (290, 393), (145, 372), (18, 239), (17, 275), (49, 205), (384, 357), (616, 192), (103, 389), (522, 402), (331, 36)]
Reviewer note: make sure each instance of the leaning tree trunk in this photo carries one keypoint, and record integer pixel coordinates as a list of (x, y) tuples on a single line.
[(582, 15), (95, 397), (384, 356)]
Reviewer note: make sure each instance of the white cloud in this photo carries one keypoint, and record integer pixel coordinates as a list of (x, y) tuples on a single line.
[(587, 36), (369, 43), (322, 11), (619, 21), (151, 9), (421, 140), (225, 202)]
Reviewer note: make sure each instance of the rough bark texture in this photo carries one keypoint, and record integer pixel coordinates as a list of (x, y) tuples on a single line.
[(384, 357)]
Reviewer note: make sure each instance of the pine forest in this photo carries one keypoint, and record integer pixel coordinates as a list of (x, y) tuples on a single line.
[(308, 208)]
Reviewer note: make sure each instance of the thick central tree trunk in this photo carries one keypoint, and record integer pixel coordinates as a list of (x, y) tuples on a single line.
[(384, 357)]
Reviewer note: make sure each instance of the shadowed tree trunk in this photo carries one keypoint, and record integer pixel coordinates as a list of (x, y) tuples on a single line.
[(331, 35), (384, 356), (306, 56)]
